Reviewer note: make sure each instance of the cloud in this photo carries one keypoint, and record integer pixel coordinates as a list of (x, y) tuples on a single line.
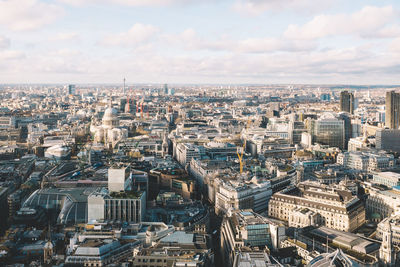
[(137, 34), (394, 46), (11, 55), (130, 2), (4, 42), (65, 36), (348, 65), (364, 22), (24, 15), (256, 7), (262, 45), (190, 40), (390, 31)]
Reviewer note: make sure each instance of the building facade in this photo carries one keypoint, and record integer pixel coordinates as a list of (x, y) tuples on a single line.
[(366, 161), (347, 102), (388, 139), (338, 208), (246, 229), (116, 206), (392, 117)]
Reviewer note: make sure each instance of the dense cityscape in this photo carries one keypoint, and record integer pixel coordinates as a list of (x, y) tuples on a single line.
[(199, 133), (173, 175)]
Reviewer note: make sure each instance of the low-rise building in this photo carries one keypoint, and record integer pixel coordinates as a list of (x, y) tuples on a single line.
[(231, 194), (366, 161), (100, 253), (176, 250), (303, 217), (244, 228), (128, 206), (389, 179), (338, 208)]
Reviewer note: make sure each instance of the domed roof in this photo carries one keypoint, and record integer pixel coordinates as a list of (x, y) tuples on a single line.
[(110, 113)]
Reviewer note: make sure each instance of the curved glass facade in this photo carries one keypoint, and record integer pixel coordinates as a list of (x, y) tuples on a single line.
[(70, 203)]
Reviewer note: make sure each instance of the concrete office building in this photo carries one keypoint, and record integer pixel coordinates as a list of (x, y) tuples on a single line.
[(392, 117), (118, 179), (347, 102), (116, 206), (255, 259), (237, 195), (382, 203), (178, 249), (328, 130), (388, 139), (389, 179), (366, 161), (99, 253), (244, 228), (186, 151), (8, 122)]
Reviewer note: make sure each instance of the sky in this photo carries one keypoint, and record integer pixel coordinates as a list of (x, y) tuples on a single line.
[(200, 41)]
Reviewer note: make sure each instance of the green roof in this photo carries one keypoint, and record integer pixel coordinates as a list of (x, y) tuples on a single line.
[(126, 194)]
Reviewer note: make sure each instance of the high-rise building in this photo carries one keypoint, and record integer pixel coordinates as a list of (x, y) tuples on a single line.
[(71, 89), (347, 102), (392, 117), (165, 89)]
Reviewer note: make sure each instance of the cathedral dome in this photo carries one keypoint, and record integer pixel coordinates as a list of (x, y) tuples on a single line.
[(110, 113), (110, 118)]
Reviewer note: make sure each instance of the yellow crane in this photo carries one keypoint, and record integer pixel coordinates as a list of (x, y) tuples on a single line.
[(240, 152)]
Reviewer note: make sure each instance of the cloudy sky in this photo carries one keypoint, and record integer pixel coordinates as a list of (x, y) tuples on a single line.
[(200, 41)]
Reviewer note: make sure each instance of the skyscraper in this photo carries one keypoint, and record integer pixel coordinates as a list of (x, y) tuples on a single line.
[(347, 102), (165, 89), (392, 117), (71, 89)]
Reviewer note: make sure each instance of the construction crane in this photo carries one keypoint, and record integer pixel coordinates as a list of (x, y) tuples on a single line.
[(141, 109), (240, 153)]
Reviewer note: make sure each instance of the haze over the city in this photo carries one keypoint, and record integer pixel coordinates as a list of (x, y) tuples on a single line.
[(207, 41)]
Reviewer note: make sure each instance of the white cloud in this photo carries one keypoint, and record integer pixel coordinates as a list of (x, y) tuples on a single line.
[(394, 46), (256, 7), (138, 34), (348, 65), (22, 15), (11, 55), (4, 42), (130, 2), (366, 21), (190, 40), (390, 31), (65, 36), (262, 45)]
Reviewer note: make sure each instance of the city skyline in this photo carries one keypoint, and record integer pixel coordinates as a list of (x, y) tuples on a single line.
[(187, 42)]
